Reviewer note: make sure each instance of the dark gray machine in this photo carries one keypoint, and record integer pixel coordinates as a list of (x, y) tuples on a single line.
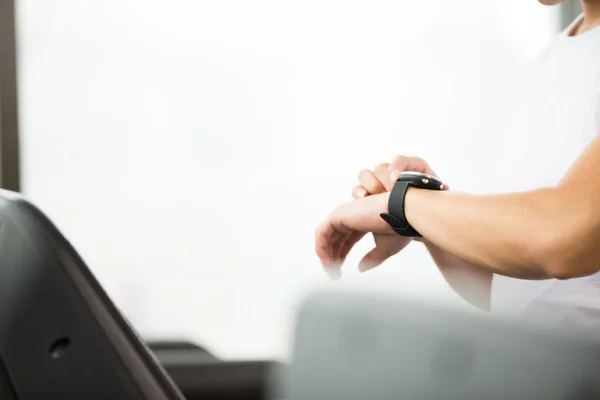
[(356, 347)]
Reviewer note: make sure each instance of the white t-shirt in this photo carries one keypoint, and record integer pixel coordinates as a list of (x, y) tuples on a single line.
[(560, 116)]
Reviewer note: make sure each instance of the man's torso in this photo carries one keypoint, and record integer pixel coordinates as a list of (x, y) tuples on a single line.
[(558, 119)]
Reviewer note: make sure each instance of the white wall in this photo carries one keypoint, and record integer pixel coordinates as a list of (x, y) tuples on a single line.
[(188, 149)]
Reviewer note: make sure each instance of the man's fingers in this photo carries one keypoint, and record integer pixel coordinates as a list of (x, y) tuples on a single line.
[(381, 173), (370, 183), (334, 273), (398, 164), (358, 192), (329, 262), (336, 255), (372, 259), (338, 246), (328, 246), (325, 238), (350, 242)]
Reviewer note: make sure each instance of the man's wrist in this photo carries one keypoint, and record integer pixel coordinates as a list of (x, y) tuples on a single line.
[(409, 208), (412, 204)]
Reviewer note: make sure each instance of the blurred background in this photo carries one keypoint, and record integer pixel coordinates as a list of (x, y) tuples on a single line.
[(188, 149)]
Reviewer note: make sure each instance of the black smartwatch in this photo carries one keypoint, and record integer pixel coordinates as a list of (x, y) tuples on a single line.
[(395, 216)]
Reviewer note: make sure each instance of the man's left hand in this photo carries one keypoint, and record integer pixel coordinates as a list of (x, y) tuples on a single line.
[(336, 236)]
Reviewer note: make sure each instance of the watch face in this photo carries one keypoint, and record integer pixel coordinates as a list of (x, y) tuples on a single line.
[(426, 180), (419, 174), (414, 173)]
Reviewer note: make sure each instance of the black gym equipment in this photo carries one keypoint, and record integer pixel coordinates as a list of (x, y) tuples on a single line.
[(61, 337)]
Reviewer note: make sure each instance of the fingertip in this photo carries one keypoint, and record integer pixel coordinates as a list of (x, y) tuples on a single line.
[(371, 260), (359, 192), (367, 265), (334, 274), (365, 268), (331, 268)]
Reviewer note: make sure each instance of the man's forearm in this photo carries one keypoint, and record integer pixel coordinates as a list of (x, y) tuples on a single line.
[(517, 235), (470, 283)]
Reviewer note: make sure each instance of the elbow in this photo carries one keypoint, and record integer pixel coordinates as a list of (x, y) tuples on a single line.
[(566, 269), (565, 243), (563, 271), (566, 257)]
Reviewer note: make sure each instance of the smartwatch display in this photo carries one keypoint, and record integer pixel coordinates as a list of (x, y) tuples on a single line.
[(395, 216)]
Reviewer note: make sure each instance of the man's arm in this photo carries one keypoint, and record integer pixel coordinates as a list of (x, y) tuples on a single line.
[(470, 283), (541, 234)]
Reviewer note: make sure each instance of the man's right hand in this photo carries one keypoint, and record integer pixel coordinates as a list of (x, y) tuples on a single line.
[(379, 180)]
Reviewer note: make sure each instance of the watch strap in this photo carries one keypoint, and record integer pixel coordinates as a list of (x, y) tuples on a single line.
[(395, 216)]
